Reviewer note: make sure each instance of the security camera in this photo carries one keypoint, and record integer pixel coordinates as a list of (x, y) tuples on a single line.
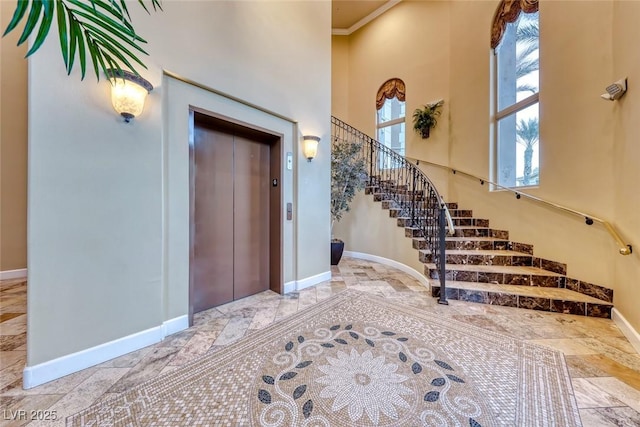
[(615, 90)]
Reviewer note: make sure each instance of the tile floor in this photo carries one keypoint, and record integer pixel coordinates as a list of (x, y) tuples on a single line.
[(604, 367)]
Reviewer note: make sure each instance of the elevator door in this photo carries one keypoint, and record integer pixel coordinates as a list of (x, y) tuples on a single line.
[(230, 229)]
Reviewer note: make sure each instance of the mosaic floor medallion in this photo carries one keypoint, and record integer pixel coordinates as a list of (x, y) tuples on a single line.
[(363, 374), (356, 360)]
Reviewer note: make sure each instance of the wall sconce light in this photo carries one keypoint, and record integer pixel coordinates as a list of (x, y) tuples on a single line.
[(310, 146), (128, 92)]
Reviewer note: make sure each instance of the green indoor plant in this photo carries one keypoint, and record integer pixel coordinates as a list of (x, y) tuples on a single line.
[(99, 30), (426, 118), (348, 175)]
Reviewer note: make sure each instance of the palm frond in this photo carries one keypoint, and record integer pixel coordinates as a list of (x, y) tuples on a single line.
[(525, 87), (528, 33), (526, 67), (103, 28), (528, 132)]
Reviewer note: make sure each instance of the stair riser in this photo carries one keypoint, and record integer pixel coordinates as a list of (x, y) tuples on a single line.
[(477, 244), (404, 222), (499, 278), (470, 222), (526, 261), (531, 303), (413, 232), (458, 222), (378, 197), (462, 213), (391, 190), (420, 209), (419, 244), (481, 232), (468, 245), (467, 226), (389, 204)]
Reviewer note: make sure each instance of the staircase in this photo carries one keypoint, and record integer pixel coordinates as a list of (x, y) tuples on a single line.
[(483, 265), (475, 263)]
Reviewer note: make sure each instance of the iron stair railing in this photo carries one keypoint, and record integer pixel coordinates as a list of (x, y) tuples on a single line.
[(408, 189)]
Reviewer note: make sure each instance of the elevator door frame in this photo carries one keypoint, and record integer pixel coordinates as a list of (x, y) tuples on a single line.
[(276, 201)]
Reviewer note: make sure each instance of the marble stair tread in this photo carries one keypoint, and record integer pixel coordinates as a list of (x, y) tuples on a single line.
[(481, 252), (506, 269), (529, 291), (474, 238)]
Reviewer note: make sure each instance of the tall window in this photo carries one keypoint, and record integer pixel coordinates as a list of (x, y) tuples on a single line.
[(390, 116), (515, 40)]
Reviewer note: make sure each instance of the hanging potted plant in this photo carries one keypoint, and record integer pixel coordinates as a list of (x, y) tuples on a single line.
[(426, 118), (348, 175)]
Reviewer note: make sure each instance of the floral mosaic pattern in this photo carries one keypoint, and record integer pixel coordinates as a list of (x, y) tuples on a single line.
[(274, 378), (364, 375), (364, 383)]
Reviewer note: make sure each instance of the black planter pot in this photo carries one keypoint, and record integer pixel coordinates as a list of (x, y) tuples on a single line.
[(336, 252)]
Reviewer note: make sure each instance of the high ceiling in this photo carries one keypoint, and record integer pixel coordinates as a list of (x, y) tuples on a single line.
[(345, 13)]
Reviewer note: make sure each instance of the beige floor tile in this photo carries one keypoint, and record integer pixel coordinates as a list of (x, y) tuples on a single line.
[(196, 347), (62, 385), (8, 358), (263, 318), (612, 368), (233, 331), (588, 395), (149, 367), (565, 345), (29, 408), (84, 395), (614, 387), (610, 417), (601, 362)]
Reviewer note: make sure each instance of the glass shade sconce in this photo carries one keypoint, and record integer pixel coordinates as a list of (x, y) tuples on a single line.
[(310, 146), (128, 93)]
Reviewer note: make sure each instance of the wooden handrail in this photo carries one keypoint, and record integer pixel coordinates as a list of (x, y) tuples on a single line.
[(623, 248)]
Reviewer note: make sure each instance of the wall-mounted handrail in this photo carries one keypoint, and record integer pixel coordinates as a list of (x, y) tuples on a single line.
[(624, 248)]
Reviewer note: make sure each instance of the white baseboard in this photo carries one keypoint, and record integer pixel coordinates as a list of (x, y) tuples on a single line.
[(13, 274), (177, 324), (313, 280), (289, 287), (392, 263), (625, 327), (298, 285), (33, 376)]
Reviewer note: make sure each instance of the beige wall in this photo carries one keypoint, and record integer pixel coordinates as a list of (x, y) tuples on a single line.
[(575, 132), (340, 77), (410, 42), (98, 245), (626, 155), (586, 143), (13, 147), (367, 228)]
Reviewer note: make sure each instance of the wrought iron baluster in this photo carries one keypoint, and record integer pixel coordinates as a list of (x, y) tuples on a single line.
[(413, 198), (407, 187)]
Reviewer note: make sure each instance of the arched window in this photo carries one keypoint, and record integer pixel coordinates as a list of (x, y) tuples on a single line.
[(390, 116), (515, 137)]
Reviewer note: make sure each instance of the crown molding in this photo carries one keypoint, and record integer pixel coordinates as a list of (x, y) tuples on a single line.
[(364, 21)]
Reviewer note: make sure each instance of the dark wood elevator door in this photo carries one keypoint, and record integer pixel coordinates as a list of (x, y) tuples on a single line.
[(230, 216)]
